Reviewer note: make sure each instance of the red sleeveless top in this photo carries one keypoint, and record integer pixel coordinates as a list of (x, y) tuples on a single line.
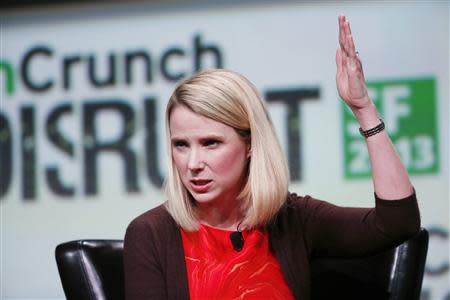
[(216, 271)]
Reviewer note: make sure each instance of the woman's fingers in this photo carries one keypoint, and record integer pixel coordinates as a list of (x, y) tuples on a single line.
[(351, 52), (345, 38), (349, 58), (339, 60), (342, 41), (348, 29)]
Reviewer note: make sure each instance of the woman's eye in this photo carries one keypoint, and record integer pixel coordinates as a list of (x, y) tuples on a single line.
[(211, 143), (180, 144)]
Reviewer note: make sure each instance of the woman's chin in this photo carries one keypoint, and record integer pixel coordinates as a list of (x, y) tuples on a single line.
[(203, 198)]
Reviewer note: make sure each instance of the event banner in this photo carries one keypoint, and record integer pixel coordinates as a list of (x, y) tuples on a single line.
[(84, 90)]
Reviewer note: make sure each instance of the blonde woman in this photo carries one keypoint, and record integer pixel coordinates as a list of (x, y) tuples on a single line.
[(230, 229)]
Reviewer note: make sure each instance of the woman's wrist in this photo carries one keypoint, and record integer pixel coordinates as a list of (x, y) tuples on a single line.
[(367, 116)]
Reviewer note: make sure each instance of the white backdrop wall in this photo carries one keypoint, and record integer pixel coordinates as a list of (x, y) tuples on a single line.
[(82, 153)]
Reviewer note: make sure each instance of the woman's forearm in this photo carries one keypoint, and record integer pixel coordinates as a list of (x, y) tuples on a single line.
[(390, 178)]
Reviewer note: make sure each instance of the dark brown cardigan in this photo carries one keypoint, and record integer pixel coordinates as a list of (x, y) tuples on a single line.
[(305, 227)]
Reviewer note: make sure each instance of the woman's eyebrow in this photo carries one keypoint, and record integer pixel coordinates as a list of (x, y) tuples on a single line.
[(177, 138), (212, 136)]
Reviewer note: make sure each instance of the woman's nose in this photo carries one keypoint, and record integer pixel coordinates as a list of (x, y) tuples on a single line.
[(195, 162)]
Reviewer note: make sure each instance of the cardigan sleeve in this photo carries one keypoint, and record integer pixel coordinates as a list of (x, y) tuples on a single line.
[(144, 277), (330, 230)]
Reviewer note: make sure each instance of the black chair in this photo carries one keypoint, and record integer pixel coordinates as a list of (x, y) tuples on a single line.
[(93, 270), (392, 275)]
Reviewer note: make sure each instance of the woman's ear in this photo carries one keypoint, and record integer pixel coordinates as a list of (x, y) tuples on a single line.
[(248, 150)]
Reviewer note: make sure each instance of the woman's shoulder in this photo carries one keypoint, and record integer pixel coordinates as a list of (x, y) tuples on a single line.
[(293, 197), (301, 207), (153, 219), (148, 235), (295, 201), (294, 206)]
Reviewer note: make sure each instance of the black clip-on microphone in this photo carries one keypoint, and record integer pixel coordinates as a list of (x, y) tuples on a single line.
[(237, 239)]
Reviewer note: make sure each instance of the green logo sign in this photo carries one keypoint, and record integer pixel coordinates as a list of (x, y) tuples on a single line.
[(409, 109)]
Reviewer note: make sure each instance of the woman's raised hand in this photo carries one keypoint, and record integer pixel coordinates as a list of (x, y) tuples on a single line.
[(350, 80)]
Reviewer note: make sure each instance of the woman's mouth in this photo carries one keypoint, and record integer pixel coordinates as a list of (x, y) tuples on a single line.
[(200, 185)]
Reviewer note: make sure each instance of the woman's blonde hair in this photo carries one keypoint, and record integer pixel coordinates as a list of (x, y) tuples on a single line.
[(231, 99)]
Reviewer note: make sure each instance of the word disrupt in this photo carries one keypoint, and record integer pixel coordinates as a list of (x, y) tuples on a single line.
[(92, 146)]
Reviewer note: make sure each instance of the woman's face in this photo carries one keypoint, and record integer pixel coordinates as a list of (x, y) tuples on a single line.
[(210, 156)]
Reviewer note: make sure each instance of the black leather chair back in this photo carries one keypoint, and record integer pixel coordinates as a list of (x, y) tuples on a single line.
[(93, 270), (392, 275)]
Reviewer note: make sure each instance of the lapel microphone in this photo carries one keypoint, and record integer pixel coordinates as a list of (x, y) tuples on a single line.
[(237, 239)]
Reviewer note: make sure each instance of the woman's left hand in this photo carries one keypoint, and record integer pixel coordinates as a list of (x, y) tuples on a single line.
[(350, 79), (389, 175)]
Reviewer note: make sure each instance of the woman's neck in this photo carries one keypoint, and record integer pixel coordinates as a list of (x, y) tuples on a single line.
[(225, 216)]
